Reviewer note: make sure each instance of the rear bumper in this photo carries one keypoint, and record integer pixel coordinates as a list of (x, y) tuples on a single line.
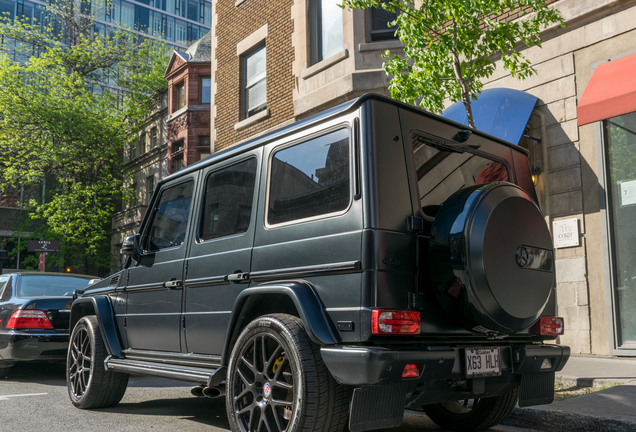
[(353, 365), (27, 346)]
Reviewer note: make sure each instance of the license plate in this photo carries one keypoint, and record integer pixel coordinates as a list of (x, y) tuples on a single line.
[(482, 362)]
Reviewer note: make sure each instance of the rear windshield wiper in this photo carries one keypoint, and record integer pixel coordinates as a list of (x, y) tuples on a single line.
[(439, 143)]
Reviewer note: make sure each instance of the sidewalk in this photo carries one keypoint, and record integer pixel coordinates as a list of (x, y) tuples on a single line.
[(612, 409)]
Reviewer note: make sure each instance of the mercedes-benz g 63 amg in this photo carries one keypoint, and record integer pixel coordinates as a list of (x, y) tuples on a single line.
[(332, 273)]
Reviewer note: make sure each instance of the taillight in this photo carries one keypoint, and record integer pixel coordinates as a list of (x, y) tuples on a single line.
[(29, 319), (395, 322), (550, 326)]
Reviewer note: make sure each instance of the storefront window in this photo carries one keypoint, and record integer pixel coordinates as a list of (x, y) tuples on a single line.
[(620, 136)]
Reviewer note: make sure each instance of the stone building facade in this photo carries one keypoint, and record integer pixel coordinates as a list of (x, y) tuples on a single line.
[(573, 181)]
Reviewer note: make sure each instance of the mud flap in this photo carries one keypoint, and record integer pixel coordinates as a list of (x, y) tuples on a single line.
[(536, 389), (377, 407)]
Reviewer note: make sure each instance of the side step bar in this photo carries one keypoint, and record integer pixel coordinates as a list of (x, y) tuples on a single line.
[(183, 373)]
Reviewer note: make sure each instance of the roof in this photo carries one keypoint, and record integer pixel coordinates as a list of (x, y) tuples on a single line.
[(611, 91), (318, 118), (501, 112), (201, 50)]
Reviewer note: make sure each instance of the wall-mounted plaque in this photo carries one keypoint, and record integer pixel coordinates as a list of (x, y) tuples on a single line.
[(565, 233)]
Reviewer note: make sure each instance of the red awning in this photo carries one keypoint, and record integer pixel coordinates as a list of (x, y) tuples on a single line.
[(611, 91)]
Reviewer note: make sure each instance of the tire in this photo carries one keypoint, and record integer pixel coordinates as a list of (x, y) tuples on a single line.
[(291, 390), (4, 371), (89, 384), (481, 414)]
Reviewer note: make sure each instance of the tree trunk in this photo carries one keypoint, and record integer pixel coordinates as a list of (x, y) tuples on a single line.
[(463, 84)]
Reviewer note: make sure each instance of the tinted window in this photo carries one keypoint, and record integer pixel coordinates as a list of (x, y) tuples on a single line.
[(310, 179), (227, 204), (49, 286), (170, 219), (441, 173)]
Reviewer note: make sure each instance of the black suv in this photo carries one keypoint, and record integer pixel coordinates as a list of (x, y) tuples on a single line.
[(330, 274)]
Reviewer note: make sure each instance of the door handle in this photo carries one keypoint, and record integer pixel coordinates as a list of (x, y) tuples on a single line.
[(238, 277), (172, 284)]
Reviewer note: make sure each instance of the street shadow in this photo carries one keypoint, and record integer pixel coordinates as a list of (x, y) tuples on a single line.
[(53, 374), (154, 382), (210, 412)]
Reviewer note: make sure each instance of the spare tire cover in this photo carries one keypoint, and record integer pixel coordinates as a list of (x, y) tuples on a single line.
[(491, 258)]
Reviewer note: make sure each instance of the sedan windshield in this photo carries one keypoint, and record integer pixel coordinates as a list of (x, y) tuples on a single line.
[(49, 286)]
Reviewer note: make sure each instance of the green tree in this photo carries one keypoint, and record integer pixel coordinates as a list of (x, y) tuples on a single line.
[(69, 112), (451, 45)]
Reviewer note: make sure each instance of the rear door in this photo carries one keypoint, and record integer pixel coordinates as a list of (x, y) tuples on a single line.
[(221, 249), (155, 284)]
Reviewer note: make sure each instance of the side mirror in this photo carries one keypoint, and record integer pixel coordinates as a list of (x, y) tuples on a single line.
[(130, 246)]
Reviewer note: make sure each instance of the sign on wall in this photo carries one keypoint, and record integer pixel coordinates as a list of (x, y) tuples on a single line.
[(565, 233), (628, 192)]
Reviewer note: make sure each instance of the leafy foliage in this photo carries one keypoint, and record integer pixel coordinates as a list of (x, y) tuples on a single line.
[(451, 45), (69, 112)]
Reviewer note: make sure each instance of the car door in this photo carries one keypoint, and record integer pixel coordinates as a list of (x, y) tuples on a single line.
[(220, 251), (155, 288)]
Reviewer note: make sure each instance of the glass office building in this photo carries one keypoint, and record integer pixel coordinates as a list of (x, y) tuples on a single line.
[(177, 22)]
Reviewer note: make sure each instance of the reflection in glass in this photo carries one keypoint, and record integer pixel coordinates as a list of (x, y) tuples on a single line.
[(170, 220), (620, 134), (310, 179), (227, 206)]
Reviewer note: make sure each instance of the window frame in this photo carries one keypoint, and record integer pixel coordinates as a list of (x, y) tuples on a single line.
[(178, 95), (347, 126), (142, 143), (204, 183), (150, 181), (314, 15), (244, 56), (369, 27), (151, 216), (200, 99), (154, 137)]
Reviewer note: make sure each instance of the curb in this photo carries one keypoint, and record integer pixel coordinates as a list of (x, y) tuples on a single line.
[(570, 381), (562, 421)]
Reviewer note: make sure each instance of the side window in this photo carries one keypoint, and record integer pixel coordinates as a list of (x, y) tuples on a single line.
[(170, 219), (310, 179), (227, 203)]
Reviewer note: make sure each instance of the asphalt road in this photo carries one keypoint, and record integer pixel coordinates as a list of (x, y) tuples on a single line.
[(33, 397)]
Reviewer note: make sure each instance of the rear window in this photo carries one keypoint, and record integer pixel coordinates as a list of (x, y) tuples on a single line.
[(444, 167), (49, 286), (310, 179), (3, 284)]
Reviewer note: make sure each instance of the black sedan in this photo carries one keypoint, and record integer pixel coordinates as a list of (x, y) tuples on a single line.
[(34, 315)]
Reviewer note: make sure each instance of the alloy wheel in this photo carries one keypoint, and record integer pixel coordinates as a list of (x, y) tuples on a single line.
[(263, 390), (80, 369)]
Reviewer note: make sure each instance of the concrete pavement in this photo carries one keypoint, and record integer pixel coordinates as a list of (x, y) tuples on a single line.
[(612, 409)]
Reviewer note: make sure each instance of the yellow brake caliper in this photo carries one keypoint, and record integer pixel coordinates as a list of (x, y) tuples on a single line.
[(287, 413)]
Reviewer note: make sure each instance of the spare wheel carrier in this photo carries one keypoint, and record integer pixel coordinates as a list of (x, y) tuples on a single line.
[(491, 258)]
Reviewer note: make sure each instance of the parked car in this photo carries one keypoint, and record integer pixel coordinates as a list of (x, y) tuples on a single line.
[(334, 272), (34, 315)]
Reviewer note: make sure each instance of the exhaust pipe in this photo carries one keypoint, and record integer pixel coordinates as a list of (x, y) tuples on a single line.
[(214, 392), (197, 391)]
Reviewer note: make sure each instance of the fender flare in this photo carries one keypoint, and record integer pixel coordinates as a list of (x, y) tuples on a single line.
[(103, 310), (310, 308)]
